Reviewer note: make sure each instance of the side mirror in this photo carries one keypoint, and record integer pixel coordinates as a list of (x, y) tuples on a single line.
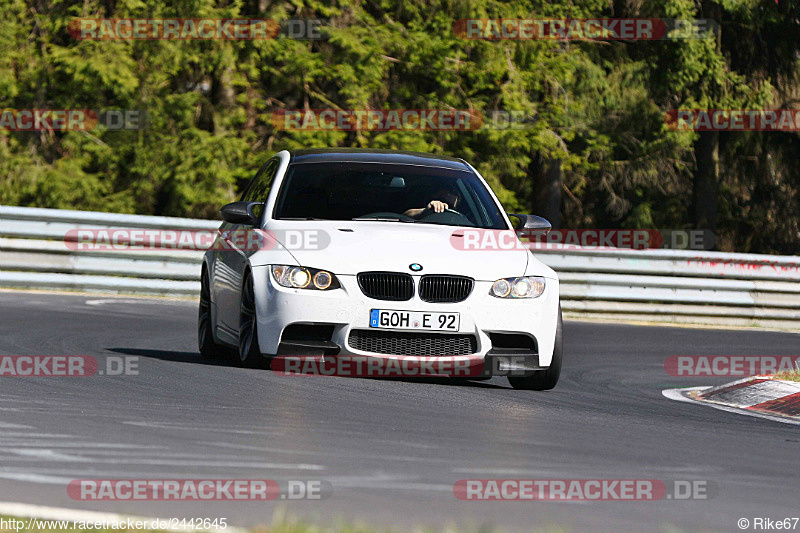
[(240, 213), (531, 222)]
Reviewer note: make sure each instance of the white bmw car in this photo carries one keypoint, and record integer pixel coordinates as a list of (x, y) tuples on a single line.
[(379, 253)]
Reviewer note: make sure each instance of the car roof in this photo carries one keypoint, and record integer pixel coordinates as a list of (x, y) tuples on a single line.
[(365, 155)]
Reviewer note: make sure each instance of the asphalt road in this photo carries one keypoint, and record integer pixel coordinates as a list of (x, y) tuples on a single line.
[(392, 450)]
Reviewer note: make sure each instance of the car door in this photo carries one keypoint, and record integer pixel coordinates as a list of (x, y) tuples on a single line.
[(232, 260)]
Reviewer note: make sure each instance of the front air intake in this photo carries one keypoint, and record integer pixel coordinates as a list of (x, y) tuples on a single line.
[(412, 343)]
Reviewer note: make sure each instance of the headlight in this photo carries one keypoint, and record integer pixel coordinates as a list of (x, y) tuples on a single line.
[(304, 278), (524, 287), (299, 277), (323, 280), (501, 288)]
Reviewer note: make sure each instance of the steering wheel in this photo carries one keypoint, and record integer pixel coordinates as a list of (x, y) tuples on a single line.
[(448, 216)]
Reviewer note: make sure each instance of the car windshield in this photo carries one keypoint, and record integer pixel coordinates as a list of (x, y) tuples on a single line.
[(386, 192)]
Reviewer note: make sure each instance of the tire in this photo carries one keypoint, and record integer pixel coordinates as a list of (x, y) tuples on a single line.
[(249, 352), (209, 350), (544, 379)]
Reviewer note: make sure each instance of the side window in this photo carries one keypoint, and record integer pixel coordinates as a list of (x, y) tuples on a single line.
[(260, 186)]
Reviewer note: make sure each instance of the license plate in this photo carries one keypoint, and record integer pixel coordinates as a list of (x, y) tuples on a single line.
[(384, 319)]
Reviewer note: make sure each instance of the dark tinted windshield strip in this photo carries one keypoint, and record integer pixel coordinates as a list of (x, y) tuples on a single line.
[(387, 163)]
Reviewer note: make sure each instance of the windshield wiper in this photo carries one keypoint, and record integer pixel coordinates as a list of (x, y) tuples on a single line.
[(386, 219), (446, 224), (302, 218)]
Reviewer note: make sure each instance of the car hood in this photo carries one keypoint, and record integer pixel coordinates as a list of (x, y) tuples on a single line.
[(350, 247)]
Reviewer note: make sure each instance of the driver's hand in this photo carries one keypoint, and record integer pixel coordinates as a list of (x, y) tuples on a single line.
[(437, 206)]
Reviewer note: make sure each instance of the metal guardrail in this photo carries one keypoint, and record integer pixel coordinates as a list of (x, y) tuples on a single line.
[(681, 286), (33, 254), (691, 287)]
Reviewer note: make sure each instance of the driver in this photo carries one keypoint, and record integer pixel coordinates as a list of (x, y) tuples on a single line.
[(444, 198)]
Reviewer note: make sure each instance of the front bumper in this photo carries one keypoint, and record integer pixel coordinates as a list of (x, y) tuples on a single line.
[(347, 308)]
